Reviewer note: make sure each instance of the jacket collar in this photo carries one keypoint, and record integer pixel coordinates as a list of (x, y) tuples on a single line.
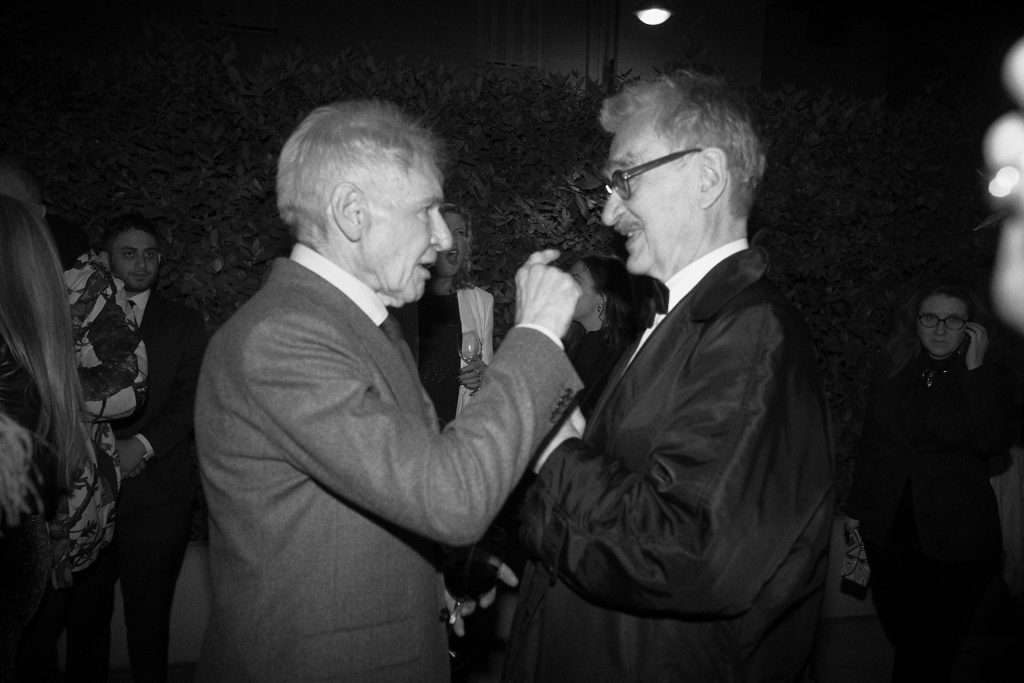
[(727, 279)]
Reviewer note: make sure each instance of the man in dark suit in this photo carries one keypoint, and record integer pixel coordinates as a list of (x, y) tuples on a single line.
[(328, 481), (684, 536), (154, 510)]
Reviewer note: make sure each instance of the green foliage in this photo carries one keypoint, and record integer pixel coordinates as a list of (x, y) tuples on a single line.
[(857, 200)]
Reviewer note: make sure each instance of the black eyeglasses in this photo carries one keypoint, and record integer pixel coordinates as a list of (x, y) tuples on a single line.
[(620, 179), (952, 322)]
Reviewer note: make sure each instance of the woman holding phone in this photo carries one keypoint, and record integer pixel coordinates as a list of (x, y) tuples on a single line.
[(921, 494)]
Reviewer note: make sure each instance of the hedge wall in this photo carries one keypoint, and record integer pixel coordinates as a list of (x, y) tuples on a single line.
[(857, 202)]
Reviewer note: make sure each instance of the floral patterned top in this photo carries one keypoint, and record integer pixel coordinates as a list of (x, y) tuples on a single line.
[(112, 366)]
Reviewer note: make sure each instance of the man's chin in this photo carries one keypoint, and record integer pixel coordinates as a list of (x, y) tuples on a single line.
[(637, 264), (133, 287), (408, 295)]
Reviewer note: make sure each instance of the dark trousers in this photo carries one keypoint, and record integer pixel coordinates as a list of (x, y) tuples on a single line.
[(151, 545), (74, 609), (146, 554), (926, 607), (25, 561)]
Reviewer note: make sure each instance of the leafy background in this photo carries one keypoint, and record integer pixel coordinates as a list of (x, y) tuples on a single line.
[(858, 202)]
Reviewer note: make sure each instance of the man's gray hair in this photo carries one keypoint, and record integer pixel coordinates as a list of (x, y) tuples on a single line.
[(696, 110), (347, 140)]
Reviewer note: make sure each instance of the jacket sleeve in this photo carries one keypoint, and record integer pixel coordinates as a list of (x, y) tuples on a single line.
[(111, 357), (704, 487), (166, 431), (330, 417)]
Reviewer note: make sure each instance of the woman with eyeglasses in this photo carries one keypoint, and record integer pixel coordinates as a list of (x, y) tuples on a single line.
[(921, 497)]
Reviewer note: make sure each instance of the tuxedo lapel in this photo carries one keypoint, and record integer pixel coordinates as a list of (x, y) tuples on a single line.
[(618, 372), (625, 390)]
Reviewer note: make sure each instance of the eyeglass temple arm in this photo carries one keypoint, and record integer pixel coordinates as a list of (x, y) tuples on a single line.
[(643, 168)]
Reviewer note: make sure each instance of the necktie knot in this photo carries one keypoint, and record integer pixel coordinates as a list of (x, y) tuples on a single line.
[(392, 329)]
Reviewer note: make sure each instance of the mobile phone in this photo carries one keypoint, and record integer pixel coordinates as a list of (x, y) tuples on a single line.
[(962, 349)]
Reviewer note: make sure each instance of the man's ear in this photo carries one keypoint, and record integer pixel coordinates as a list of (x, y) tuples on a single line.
[(714, 176), (349, 210)]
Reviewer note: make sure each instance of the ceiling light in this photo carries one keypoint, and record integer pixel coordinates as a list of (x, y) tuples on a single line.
[(653, 16)]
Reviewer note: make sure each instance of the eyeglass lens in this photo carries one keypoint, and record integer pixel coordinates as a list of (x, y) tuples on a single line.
[(953, 322), (619, 181)]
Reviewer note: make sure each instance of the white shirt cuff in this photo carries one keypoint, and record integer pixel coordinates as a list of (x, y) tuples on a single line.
[(147, 445), (570, 429)]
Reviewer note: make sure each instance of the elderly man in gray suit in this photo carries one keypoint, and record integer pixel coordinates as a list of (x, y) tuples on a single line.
[(327, 479)]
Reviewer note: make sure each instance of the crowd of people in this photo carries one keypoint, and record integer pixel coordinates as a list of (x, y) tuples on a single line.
[(100, 370), (650, 439)]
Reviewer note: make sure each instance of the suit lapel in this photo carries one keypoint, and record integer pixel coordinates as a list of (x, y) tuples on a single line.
[(152, 319), (395, 362), (618, 372), (722, 283), (396, 365)]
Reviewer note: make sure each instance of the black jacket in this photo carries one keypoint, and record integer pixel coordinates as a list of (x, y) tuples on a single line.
[(937, 440), (685, 537), (175, 341)]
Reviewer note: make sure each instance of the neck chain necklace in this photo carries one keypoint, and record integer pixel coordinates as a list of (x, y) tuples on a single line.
[(929, 375)]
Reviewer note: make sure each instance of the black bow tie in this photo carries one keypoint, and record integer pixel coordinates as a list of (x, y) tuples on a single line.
[(654, 300)]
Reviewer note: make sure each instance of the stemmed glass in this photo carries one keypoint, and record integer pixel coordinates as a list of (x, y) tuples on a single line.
[(471, 348), (469, 573)]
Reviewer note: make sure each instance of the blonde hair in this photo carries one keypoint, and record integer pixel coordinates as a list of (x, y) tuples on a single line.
[(18, 494), (35, 326)]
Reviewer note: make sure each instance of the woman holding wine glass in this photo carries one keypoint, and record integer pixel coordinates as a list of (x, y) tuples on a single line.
[(456, 321)]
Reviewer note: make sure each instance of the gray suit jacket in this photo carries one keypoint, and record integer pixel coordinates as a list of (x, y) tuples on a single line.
[(327, 483)]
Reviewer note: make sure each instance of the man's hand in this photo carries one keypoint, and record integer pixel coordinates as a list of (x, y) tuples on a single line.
[(455, 610), (545, 295), (130, 452), (472, 375), (507, 577)]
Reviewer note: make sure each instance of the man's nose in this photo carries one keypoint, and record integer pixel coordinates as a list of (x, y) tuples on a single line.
[(613, 207), (440, 235)]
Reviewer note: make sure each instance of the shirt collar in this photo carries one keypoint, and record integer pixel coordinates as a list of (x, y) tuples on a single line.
[(349, 285), (683, 282), (140, 300)]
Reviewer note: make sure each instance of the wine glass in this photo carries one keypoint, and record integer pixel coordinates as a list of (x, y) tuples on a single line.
[(469, 573), (471, 348)]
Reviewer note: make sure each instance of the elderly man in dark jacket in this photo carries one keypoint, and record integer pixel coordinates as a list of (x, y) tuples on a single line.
[(683, 535)]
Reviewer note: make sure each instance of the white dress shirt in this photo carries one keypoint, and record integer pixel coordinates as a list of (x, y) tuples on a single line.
[(349, 285), (683, 282), (363, 297)]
